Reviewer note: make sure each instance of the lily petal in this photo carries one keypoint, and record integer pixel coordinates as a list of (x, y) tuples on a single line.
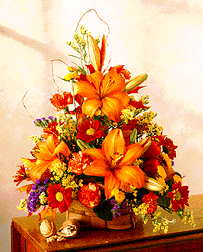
[(112, 82), (133, 151), (85, 89), (130, 174), (110, 182), (39, 169), (96, 79), (51, 145), (94, 153), (63, 149), (112, 108), (42, 152), (113, 144), (123, 97), (97, 168), (90, 106)]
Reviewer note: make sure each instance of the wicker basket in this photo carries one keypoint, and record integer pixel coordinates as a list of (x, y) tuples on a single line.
[(88, 218)]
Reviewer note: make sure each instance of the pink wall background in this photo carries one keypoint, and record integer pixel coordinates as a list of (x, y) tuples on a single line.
[(162, 38)]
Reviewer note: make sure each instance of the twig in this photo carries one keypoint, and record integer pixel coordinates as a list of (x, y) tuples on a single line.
[(97, 16), (26, 107), (52, 70)]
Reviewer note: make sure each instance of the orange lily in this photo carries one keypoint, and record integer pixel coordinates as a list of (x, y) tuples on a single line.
[(96, 56), (47, 153), (115, 162), (103, 92)]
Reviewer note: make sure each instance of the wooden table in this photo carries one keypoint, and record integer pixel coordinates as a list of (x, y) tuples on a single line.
[(25, 236)]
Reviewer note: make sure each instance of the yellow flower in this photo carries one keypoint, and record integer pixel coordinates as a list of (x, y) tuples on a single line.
[(120, 196), (70, 76)]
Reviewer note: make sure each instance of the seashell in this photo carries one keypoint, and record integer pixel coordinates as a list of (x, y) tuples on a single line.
[(69, 229), (47, 228)]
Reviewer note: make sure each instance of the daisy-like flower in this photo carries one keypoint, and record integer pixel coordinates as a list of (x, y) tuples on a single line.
[(114, 162), (151, 200), (169, 147), (103, 92), (60, 101), (59, 197), (179, 196), (90, 130)]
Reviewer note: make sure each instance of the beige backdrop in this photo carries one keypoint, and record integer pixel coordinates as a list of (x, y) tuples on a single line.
[(161, 37)]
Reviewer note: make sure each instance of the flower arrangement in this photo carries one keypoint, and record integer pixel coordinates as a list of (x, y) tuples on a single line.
[(106, 151)]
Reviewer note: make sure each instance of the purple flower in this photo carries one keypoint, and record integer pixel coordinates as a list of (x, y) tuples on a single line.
[(51, 118), (37, 182), (42, 188), (31, 193), (34, 187), (116, 207), (46, 181), (113, 202)]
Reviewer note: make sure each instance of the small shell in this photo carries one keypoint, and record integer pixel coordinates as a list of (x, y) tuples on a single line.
[(69, 229), (47, 228)]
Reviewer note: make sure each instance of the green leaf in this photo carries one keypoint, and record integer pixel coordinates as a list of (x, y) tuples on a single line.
[(164, 201), (103, 211), (170, 182), (133, 136)]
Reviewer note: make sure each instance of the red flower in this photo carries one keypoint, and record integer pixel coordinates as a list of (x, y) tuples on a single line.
[(169, 147), (151, 200), (153, 151), (89, 195), (90, 130), (151, 167), (121, 70), (59, 197), (79, 162), (127, 129), (60, 101), (20, 175), (51, 129), (137, 104), (179, 196)]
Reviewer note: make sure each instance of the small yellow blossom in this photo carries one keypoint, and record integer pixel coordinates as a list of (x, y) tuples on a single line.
[(43, 198), (36, 139), (23, 205), (70, 76)]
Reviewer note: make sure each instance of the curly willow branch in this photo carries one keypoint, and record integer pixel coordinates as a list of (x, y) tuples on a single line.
[(52, 70), (97, 16), (26, 107)]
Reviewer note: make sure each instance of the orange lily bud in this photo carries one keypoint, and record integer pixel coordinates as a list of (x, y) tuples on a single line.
[(135, 82), (146, 142), (103, 51), (168, 168), (152, 185), (94, 53)]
